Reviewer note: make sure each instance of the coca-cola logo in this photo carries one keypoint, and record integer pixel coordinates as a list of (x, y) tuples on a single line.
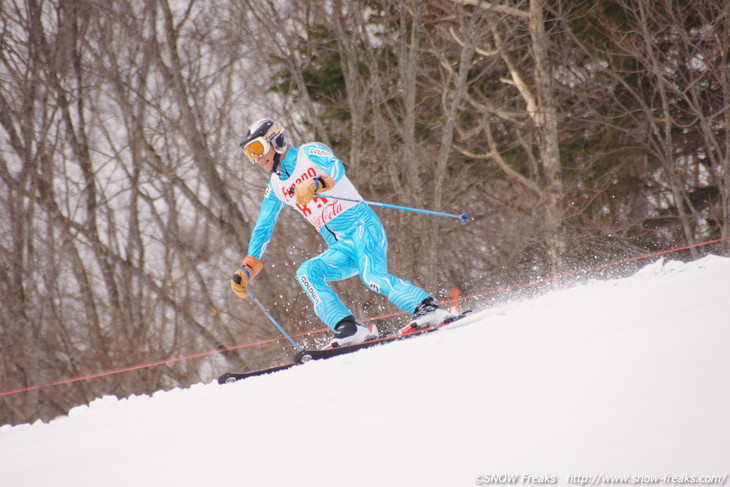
[(331, 211), (328, 214)]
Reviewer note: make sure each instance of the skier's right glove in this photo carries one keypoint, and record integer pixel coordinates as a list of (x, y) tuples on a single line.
[(305, 190), (251, 266)]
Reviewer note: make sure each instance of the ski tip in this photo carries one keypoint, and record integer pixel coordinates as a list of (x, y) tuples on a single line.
[(224, 378)]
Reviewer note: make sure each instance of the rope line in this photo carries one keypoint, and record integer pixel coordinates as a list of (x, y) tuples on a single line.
[(321, 330)]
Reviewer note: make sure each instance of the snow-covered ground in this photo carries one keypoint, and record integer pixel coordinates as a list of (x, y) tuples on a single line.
[(623, 377)]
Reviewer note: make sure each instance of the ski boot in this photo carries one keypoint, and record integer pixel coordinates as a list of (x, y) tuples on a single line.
[(349, 332), (428, 313)]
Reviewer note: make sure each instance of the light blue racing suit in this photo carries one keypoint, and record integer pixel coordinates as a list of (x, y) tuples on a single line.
[(356, 240)]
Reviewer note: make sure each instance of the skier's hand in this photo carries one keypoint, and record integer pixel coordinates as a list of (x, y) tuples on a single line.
[(305, 190), (251, 266)]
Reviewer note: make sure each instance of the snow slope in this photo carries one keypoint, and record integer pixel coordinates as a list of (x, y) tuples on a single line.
[(622, 377)]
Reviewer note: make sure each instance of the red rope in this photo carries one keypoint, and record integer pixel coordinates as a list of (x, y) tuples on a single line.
[(136, 367), (455, 298), (596, 268)]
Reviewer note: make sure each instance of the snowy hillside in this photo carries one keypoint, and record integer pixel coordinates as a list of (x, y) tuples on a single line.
[(624, 377)]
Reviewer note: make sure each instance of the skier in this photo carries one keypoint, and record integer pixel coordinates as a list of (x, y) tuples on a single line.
[(302, 177)]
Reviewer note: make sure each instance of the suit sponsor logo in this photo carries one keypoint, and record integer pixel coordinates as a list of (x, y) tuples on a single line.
[(310, 290), (316, 151), (288, 192)]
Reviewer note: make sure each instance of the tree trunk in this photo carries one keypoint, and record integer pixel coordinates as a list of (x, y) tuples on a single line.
[(546, 120)]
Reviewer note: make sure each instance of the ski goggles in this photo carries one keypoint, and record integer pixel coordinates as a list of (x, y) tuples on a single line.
[(256, 148)]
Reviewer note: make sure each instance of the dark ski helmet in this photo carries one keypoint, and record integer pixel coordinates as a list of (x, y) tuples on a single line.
[(260, 135)]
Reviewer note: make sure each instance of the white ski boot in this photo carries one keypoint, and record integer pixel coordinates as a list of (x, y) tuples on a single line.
[(349, 332), (428, 313)]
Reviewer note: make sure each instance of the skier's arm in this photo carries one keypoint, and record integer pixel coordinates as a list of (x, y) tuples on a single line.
[(260, 237), (264, 228)]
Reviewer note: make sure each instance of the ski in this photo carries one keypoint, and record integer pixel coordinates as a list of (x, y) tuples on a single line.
[(229, 377), (307, 355)]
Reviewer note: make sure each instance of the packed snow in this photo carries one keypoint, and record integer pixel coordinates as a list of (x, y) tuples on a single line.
[(627, 377)]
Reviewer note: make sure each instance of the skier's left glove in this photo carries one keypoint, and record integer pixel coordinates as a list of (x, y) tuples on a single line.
[(251, 266), (305, 190)]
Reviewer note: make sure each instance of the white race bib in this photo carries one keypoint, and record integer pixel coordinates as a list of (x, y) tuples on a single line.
[(321, 210)]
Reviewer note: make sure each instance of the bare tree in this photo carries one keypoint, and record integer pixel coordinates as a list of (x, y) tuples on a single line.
[(122, 229), (660, 76)]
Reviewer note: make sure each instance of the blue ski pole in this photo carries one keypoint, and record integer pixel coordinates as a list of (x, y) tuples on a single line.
[(276, 323), (464, 217)]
